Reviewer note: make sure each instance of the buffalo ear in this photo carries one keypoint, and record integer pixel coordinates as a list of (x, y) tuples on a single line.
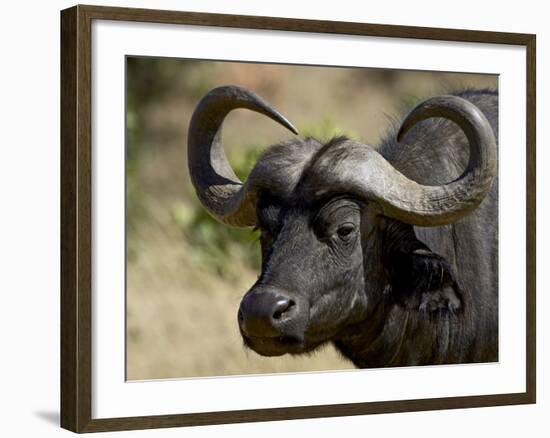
[(419, 278)]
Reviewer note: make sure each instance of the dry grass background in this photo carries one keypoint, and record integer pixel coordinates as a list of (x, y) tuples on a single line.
[(181, 314)]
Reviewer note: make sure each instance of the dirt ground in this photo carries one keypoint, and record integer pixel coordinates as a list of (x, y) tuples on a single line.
[(181, 316)]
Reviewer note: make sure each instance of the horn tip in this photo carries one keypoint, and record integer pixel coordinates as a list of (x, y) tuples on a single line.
[(286, 123)]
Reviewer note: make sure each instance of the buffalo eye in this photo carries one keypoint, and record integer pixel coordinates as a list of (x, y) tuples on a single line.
[(345, 232)]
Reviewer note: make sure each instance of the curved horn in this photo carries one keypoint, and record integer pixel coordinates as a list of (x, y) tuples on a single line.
[(363, 171), (218, 188)]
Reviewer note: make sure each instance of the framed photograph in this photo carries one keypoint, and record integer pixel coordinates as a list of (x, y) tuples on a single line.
[(360, 239)]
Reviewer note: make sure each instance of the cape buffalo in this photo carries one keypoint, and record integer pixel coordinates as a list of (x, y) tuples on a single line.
[(389, 252)]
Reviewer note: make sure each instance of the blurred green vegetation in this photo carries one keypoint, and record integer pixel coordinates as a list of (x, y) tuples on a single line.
[(153, 78), (134, 144), (324, 130), (149, 80), (215, 247), (214, 244)]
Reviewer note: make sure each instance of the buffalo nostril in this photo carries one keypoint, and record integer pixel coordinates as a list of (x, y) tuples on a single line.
[(282, 306)]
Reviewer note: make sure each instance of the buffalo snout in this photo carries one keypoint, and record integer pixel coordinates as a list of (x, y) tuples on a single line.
[(270, 318)]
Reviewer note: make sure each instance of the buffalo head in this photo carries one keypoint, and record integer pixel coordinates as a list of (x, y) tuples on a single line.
[(336, 222)]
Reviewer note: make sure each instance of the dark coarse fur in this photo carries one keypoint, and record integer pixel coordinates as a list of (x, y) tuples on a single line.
[(469, 247), (385, 293)]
